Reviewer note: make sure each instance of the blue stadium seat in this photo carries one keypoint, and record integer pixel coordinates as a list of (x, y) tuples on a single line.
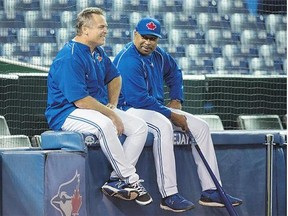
[(253, 38), (176, 51), (118, 35), (218, 37), (24, 5), (228, 7), (48, 49), (13, 20), (117, 48), (27, 50), (240, 22), (64, 5), (275, 22), (268, 51), (199, 6), (132, 5), (63, 35), (202, 51), (233, 51), (67, 19), (281, 42), (8, 49), (224, 66), (117, 20), (185, 37), (191, 66), (206, 21), (34, 19), (259, 66), (8, 35)]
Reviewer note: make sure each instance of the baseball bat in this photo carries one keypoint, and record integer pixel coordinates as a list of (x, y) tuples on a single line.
[(230, 208)]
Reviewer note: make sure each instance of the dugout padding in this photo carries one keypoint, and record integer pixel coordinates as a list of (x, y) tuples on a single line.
[(241, 157)]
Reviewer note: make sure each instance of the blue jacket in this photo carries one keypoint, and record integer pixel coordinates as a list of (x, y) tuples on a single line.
[(74, 74), (143, 79)]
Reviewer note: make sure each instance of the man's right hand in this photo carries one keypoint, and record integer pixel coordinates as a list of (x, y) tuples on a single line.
[(179, 120)]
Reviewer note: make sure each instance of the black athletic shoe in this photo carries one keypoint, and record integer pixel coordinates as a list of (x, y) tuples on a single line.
[(118, 188), (144, 197)]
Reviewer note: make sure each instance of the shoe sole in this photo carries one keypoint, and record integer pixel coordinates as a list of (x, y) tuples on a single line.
[(215, 204), (167, 208), (143, 203), (124, 195)]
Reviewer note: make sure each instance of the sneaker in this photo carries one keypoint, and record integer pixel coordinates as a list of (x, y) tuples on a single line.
[(176, 203), (144, 197), (118, 188), (212, 198)]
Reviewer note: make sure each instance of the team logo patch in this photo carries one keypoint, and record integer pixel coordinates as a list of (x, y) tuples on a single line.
[(151, 26), (68, 199)]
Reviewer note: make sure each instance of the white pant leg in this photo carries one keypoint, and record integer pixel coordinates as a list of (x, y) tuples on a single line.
[(163, 149), (91, 121), (201, 132), (136, 132)]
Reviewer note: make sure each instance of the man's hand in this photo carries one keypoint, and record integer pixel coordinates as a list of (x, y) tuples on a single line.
[(179, 121), (175, 104), (118, 123)]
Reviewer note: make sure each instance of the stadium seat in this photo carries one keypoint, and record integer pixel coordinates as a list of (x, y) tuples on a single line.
[(240, 22), (228, 7), (14, 141), (213, 121), (63, 35), (268, 51), (25, 5), (198, 6), (224, 66), (134, 19), (202, 51), (4, 129), (14, 20), (281, 42), (206, 21), (218, 37), (67, 19), (259, 66), (191, 66), (8, 49), (185, 37), (117, 19), (233, 51), (48, 49), (259, 122), (275, 22), (64, 5), (253, 39)]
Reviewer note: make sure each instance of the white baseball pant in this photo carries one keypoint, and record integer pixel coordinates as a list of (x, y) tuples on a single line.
[(123, 158), (163, 150)]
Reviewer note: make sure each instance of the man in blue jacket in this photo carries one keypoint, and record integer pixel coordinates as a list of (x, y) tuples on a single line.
[(145, 68), (83, 91)]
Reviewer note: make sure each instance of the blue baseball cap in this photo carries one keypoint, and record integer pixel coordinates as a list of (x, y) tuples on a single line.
[(149, 26)]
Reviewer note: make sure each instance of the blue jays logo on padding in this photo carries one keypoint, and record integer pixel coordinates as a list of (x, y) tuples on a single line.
[(68, 199)]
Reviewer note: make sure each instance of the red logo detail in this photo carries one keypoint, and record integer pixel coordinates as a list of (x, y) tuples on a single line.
[(76, 202), (151, 26), (99, 58)]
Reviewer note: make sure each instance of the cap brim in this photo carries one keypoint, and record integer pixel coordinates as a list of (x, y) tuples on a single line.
[(149, 33)]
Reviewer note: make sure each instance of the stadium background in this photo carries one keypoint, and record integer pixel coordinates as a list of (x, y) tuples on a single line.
[(233, 53), (234, 58)]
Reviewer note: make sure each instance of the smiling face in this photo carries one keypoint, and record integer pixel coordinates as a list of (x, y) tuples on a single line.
[(95, 30), (91, 27), (145, 44)]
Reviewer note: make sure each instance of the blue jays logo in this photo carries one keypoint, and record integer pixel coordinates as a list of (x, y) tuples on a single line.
[(151, 26), (68, 199)]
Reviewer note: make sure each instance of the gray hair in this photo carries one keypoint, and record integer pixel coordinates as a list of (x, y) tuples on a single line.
[(84, 17)]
